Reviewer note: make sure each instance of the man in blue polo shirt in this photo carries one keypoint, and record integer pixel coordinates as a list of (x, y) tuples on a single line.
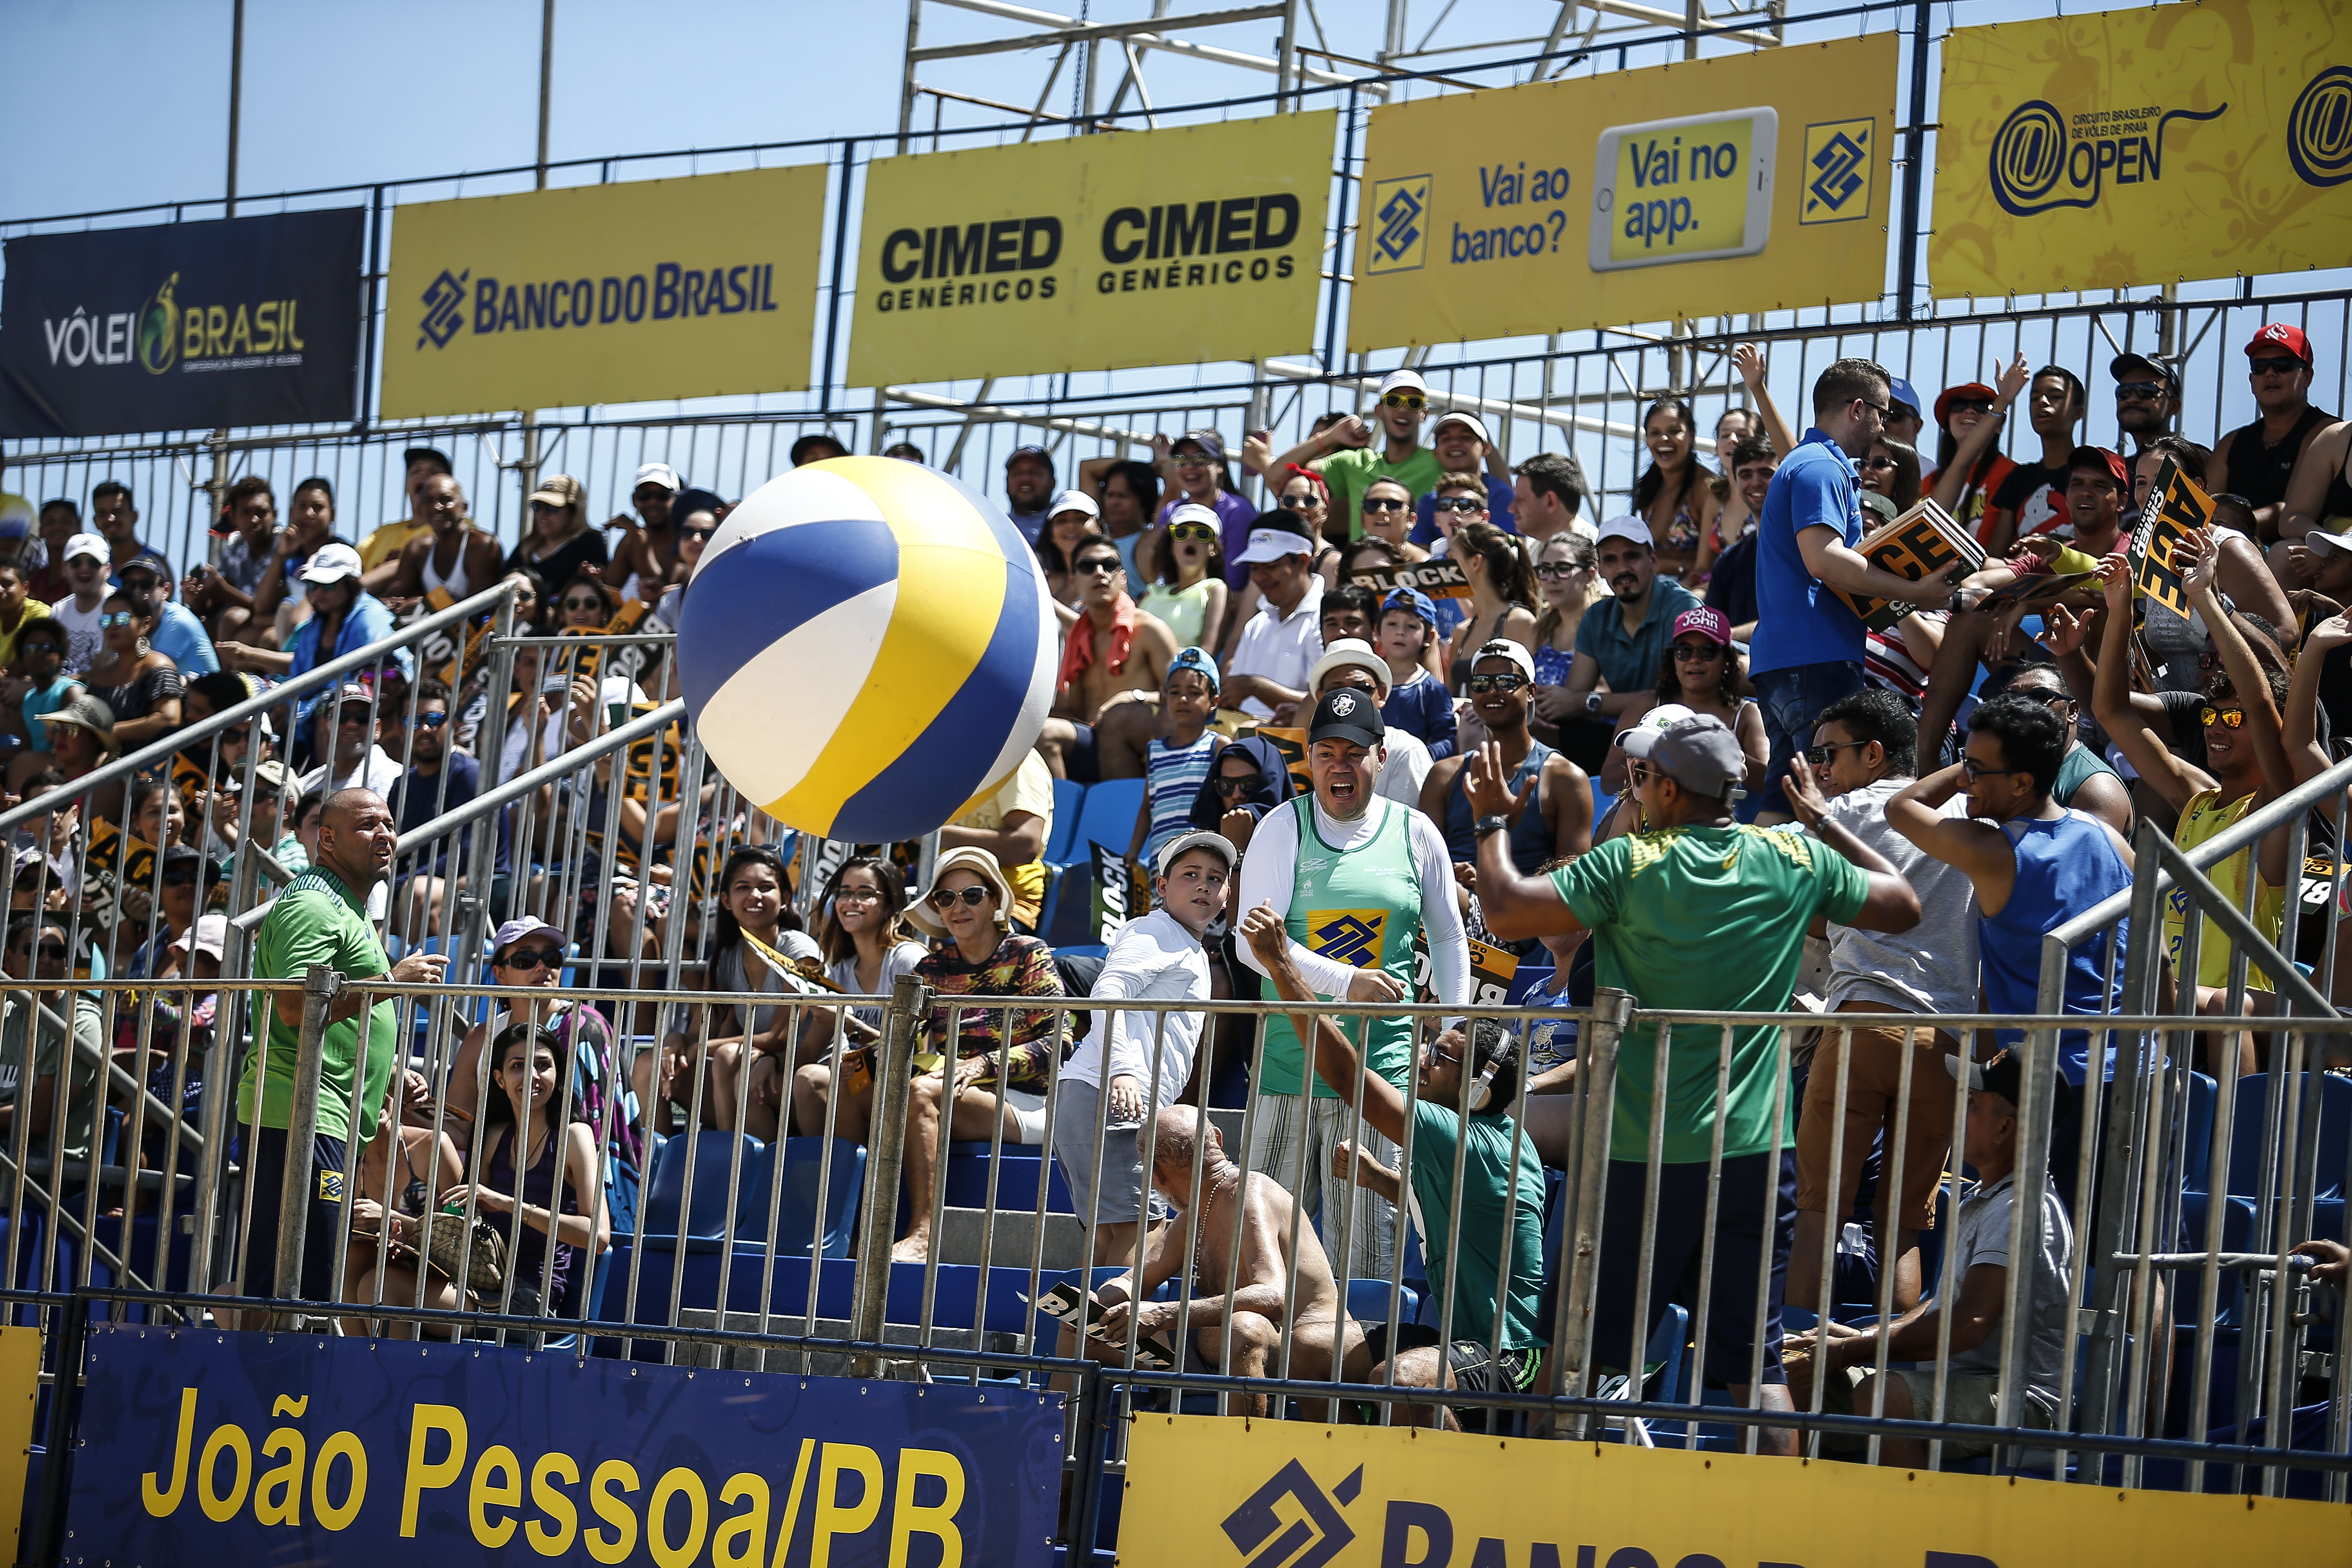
[(1807, 650), (1624, 643)]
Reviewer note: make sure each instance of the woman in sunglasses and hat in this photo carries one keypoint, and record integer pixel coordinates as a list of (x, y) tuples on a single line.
[(988, 1065)]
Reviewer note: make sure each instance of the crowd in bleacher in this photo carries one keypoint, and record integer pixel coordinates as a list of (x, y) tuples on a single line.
[(1650, 751)]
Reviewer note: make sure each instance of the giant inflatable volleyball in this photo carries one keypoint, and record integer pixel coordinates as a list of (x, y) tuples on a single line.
[(866, 645)]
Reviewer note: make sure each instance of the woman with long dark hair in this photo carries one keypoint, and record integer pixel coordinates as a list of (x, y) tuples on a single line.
[(752, 903), (866, 947), (1701, 672), (1673, 495), (1502, 595), (528, 1134)]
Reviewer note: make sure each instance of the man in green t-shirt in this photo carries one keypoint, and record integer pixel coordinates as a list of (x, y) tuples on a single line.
[(1500, 1198), (321, 917), (1344, 455), (1694, 912)]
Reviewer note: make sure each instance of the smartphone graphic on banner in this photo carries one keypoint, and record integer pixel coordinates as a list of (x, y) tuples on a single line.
[(1692, 189)]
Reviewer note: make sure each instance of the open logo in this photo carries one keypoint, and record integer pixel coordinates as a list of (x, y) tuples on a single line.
[(2319, 128), (1266, 1539), (2041, 165)]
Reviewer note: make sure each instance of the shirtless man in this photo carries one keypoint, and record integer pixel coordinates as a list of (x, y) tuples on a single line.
[(451, 555), (1096, 732), (1500, 1195), (1251, 1304), (650, 552)]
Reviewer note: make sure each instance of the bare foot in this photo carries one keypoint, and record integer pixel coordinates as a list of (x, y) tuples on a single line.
[(916, 1248)]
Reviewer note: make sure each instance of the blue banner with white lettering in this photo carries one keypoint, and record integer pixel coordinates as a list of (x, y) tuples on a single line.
[(183, 326), (205, 1447)]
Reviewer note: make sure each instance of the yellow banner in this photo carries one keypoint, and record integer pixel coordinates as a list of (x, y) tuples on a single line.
[(603, 293), (1094, 253), (2125, 148), (1205, 1492), (1605, 200)]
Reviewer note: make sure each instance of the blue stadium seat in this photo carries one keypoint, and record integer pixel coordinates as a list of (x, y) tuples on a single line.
[(1108, 818), (704, 1213), (799, 1219), (1064, 828)]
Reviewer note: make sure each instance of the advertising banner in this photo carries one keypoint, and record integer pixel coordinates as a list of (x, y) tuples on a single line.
[(1208, 1493), (246, 1448), (1604, 201), (1094, 253), (183, 326), (2126, 148), (605, 293)]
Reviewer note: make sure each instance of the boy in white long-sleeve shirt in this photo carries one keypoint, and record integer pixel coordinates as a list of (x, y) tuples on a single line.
[(1133, 1060)]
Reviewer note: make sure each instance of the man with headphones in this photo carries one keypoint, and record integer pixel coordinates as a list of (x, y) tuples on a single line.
[(1467, 1081)]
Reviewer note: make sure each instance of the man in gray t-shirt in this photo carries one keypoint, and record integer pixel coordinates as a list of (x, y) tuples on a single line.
[(1979, 1262), (37, 950), (1864, 751)]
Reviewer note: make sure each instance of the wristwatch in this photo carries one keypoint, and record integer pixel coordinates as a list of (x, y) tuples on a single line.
[(1592, 702), (1486, 825)]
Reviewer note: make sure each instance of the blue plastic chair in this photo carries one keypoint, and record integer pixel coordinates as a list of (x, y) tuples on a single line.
[(704, 1211), (1064, 830), (804, 1206), (1106, 818)]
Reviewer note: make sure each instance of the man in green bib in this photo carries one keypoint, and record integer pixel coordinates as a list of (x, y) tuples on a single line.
[(1354, 878)]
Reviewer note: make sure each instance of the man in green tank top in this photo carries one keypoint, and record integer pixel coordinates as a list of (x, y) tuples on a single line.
[(1354, 878)]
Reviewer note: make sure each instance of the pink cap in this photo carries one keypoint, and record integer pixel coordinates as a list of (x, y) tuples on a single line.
[(1709, 624)]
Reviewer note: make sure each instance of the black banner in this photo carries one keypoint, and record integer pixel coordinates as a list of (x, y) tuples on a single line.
[(183, 326)]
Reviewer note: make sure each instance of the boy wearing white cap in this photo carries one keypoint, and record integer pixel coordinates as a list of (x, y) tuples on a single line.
[(1344, 455), (1462, 447), (649, 553)]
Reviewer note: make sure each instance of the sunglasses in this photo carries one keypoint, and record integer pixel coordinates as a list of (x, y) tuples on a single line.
[(117, 618), (696, 532), (1693, 652), (545, 506), (2138, 392), (1975, 772), (2274, 366), (1404, 400), (180, 877), (1510, 681), (1968, 405), (1200, 532), (532, 958), (1430, 1052), (2228, 717), (1233, 785), (431, 720), (1099, 566), (55, 952), (1820, 755), (1308, 501), (1384, 503), (1876, 464), (1459, 503), (597, 604), (1554, 569), (1191, 460), (857, 895), (2047, 698), (949, 897), (1884, 410)]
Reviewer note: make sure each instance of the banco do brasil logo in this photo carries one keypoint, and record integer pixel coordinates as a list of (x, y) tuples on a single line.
[(159, 328), (2041, 162), (1258, 1532), (2319, 128)]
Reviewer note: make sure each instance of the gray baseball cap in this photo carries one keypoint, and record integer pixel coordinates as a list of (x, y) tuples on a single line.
[(1699, 753)]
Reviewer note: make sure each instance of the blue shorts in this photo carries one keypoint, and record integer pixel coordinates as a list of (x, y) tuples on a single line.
[(1792, 700), (1743, 1240)]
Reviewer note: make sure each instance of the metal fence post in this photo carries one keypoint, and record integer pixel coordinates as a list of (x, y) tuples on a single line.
[(1596, 1077), (1089, 1452), (65, 1419), (886, 1152), (321, 986)]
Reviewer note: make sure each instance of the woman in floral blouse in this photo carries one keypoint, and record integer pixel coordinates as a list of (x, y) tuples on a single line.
[(975, 953)]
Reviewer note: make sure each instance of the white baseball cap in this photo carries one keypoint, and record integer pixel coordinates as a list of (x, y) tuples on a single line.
[(1403, 380), (209, 935), (1351, 653), (1477, 426), (1273, 544), (1074, 501), (1217, 843), (332, 563), (1626, 527), (1193, 511), (88, 544), (660, 474)]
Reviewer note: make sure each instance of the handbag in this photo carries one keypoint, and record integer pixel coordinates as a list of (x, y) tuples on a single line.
[(447, 1242)]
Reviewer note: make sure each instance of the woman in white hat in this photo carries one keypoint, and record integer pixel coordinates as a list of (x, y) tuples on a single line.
[(997, 1061)]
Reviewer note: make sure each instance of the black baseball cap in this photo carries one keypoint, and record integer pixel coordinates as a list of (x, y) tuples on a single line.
[(1032, 451), (416, 455), (2004, 1075), (1348, 715), (2135, 366), (801, 447)]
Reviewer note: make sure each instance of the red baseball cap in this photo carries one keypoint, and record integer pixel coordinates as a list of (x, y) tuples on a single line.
[(2100, 458), (1966, 389), (2277, 335)]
